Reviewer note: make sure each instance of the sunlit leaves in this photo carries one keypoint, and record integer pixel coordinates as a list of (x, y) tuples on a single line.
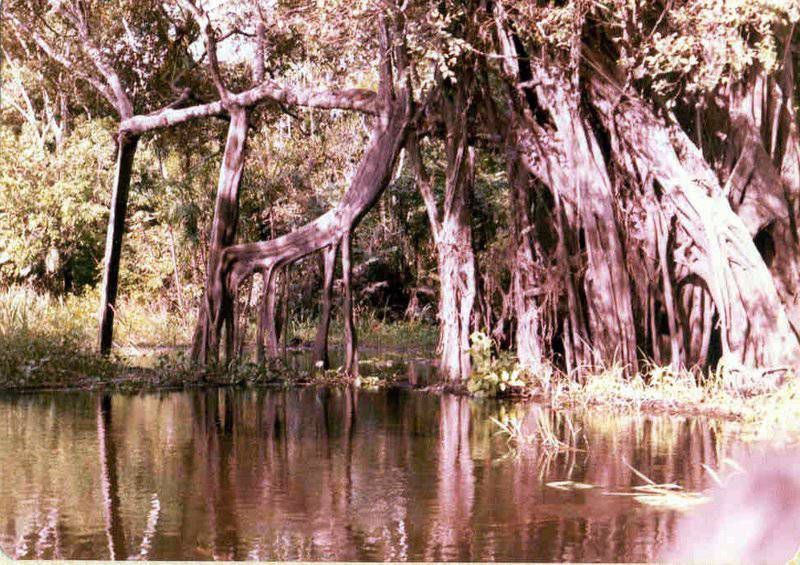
[(53, 205), (696, 46)]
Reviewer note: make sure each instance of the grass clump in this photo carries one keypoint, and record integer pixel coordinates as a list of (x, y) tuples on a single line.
[(769, 411), (44, 341)]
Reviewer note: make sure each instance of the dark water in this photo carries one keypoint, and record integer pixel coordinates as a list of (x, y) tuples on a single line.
[(341, 474)]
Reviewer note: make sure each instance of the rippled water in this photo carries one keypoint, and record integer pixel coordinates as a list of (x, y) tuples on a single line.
[(318, 473)]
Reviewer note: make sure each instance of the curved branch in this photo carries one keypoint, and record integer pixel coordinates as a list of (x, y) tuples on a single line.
[(371, 178), (356, 99)]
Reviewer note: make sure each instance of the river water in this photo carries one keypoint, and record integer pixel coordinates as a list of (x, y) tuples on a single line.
[(321, 473)]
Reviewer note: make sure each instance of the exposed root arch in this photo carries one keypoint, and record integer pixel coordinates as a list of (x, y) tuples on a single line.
[(238, 262)]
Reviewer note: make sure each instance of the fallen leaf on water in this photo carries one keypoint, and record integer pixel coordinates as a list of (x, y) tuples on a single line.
[(569, 485)]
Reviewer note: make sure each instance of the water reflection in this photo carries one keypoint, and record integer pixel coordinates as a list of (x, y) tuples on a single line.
[(107, 449), (322, 474)]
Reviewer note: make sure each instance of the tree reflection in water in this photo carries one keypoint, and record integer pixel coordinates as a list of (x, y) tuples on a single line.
[(344, 474)]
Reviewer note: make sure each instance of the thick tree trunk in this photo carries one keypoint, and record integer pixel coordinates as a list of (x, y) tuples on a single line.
[(457, 280), (223, 233), (607, 285), (126, 150), (542, 136), (543, 157), (321, 359), (456, 264), (523, 270), (754, 328), (759, 181)]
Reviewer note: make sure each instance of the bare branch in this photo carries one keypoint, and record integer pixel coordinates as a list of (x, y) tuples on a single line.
[(77, 18), (352, 99), (59, 58), (202, 19)]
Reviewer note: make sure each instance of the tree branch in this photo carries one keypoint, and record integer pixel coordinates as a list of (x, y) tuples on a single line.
[(57, 57), (351, 99), (203, 20), (122, 102)]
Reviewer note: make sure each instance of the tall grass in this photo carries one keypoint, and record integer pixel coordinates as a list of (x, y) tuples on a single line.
[(46, 341)]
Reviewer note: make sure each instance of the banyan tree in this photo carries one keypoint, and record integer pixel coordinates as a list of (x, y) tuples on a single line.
[(650, 153)]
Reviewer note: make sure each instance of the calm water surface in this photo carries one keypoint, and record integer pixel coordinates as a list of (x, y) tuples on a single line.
[(318, 473)]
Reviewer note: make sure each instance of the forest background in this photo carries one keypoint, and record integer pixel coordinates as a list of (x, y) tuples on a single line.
[(537, 187)]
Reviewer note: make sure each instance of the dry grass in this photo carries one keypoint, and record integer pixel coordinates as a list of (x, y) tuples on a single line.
[(770, 411)]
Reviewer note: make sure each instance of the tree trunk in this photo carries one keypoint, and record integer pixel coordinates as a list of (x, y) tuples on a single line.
[(759, 181), (607, 285), (676, 341), (556, 145), (269, 324), (269, 318), (321, 358), (755, 331), (223, 233), (241, 323), (350, 333), (697, 311), (524, 279), (456, 264), (126, 150), (281, 328)]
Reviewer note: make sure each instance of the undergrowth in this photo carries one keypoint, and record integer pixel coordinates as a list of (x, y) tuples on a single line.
[(48, 342), (44, 340), (374, 332), (770, 410)]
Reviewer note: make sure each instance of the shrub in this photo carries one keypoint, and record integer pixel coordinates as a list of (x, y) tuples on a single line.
[(494, 375)]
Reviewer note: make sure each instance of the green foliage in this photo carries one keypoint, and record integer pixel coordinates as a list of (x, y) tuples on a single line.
[(53, 206), (493, 375), (705, 43)]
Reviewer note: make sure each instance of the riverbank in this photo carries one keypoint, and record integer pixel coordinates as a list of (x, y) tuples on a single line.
[(46, 344), (770, 413)]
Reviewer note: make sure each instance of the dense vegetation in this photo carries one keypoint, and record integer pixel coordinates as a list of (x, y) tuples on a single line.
[(586, 185)]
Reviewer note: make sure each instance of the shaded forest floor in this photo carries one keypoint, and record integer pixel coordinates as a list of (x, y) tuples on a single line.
[(47, 344)]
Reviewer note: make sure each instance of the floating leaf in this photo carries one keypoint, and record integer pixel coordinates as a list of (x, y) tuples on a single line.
[(569, 485)]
